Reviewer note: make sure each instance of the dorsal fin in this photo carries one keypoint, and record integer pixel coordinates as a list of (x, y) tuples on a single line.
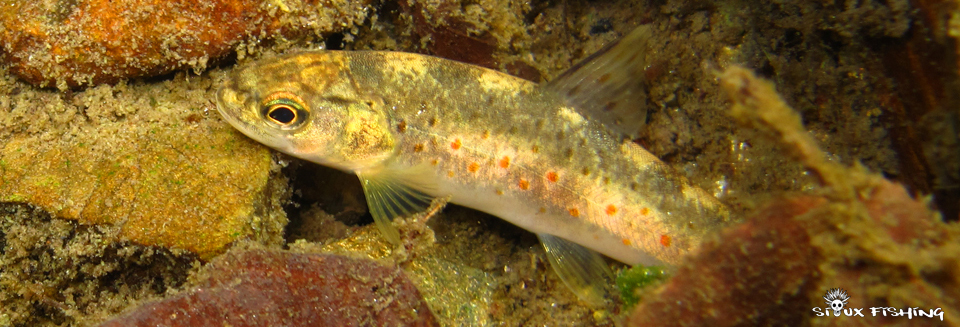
[(608, 86)]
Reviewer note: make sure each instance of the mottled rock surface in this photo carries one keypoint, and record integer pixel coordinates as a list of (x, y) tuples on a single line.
[(776, 267), (146, 158), (71, 43), (114, 193), (196, 191), (58, 272), (755, 274), (277, 288)]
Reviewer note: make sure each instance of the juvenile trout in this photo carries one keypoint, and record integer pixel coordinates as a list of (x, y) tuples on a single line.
[(413, 127)]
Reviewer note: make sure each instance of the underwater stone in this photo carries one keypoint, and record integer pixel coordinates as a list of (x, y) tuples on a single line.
[(754, 274), (280, 288), (459, 295), (885, 249), (196, 187), (73, 43)]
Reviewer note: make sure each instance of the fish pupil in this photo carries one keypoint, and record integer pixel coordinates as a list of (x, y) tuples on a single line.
[(282, 114)]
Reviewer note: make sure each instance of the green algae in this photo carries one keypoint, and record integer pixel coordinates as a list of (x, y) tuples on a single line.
[(459, 295), (634, 281)]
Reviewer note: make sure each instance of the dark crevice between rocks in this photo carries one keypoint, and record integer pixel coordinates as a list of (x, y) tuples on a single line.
[(331, 191), (62, 267), (333, 42)]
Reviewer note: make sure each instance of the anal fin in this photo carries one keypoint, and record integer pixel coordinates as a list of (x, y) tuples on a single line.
[(581, 269), (391, 193)]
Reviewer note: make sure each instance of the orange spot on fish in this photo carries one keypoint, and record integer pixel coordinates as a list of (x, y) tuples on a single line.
[(418, 147), (611, 210), (644, 211), (552, 176), (604, 78), (625, 242), (455, 144), (543, 210), (523, 184), (473, 167), (450, 173), (505, 162), (499, 192), (609, 106), (574, 212), (665, 240), (434, 162)]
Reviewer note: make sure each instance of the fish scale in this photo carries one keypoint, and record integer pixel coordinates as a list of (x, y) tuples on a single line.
[(413, 127), (497, 130)]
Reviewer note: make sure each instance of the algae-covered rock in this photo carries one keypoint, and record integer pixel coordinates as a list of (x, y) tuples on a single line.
[(146, 158), (89, 42), (755, 274), (56, 272), (458, 294), (280, 288), (195, 191), (111, 195)]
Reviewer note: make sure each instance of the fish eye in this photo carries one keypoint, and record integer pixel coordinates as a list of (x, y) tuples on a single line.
[(281, 114), (284, 109)]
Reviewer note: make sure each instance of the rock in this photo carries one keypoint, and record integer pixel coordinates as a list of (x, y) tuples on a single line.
[(458, 294), (891, 251), (884, 250), (72, 43), (754, 274), (56, 272), (279, 288), (162, 187), (148, 159), (863, 234)]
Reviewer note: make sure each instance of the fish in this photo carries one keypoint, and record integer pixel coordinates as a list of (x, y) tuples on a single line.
[(555, 158)]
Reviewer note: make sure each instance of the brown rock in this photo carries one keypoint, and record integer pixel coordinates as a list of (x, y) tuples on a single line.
[(71, 43), (895, 254), (754, 274), (884, 249), (278, 288)]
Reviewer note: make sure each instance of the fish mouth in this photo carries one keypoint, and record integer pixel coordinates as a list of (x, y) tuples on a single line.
[(220, 104), (230, 104), (230, 107)]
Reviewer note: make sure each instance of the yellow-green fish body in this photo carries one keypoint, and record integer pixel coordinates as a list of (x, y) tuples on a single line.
[(414, 126)]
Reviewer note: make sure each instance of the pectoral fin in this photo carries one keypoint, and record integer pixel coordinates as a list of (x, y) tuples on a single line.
[(394, 192), (581, 269)]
